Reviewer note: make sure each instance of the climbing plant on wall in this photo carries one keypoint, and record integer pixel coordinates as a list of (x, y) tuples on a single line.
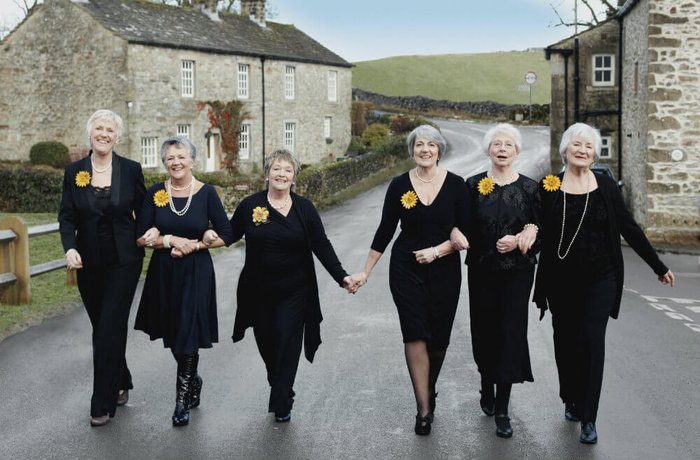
[(227, 118)]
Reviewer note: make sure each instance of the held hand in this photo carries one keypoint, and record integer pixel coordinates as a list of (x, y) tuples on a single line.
[(358, 280), (209, 237), (458, 240), (176, 253), (350, 285), (73, 260), (506, 244), (425, 256), (151, 236), (669, 278), (184, 245), (526, 239)]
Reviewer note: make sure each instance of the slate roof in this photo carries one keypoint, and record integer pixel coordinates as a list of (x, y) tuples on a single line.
[(154, 24)]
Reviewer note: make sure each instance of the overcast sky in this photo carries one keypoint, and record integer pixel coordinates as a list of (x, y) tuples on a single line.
[(361, 30)]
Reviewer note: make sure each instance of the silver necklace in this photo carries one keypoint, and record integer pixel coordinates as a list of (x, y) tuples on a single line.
[(512, 178), (282, 206), (189, 198), (415, 171), (94, 169), (563, 221)]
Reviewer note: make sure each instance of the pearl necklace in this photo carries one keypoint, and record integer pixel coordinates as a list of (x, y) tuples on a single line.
[(437, 171), (94, 168), (512, 178), (189, 198), (179, 189), (563, 221), (282, 206)]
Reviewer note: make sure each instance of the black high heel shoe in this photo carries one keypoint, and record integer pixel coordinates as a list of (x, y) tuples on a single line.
[(423, 424), (488, 405)]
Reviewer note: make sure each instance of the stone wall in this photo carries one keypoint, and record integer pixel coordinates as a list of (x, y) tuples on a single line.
[(423, 105), (56, 69)]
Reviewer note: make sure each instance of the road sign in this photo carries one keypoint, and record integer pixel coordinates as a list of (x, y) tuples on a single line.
[(530, 77)]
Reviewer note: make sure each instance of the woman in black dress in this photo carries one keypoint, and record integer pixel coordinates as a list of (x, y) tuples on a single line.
[(277, 289), (425, 271), (178, 303), (502, 228), (580, 273), (101, 193)]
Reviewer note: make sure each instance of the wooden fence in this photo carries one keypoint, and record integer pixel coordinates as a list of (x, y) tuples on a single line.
[(15, 271)]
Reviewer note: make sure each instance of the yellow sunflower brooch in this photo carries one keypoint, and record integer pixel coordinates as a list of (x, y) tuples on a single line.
[(409, 199), (82, 179), (551, 183), (486, 186), (160, 198), (260, 215)]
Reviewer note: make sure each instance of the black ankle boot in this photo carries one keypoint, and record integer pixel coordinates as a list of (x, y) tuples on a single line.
[(193, 399), (503, 428), (181, 415)]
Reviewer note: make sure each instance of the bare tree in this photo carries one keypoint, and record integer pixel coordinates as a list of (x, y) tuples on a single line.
[(598, 14)]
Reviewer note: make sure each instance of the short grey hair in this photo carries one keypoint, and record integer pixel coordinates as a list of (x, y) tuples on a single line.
[(584, 131), (104, 114), (502, 128), (281, 154), (180, 141), (426, 132)]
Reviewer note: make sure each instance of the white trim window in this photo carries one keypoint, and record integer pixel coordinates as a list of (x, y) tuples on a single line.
[(606, 148), (149, 152), (332, 86), (184, 130), (243, 77), (244, 142), (327, 124), (603, 70), (187, 78), (290, 131), (289, 82)]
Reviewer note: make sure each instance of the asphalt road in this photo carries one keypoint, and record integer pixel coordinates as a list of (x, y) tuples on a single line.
[(355, 400)]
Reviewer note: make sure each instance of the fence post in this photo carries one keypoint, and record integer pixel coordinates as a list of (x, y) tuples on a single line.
[(14, 258)]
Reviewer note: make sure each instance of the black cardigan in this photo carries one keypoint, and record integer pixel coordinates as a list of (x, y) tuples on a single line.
[(252, 278), (78, 214), (620, 222)]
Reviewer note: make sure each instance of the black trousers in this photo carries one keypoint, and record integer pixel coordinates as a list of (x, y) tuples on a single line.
[(580, 318), (107, 293), (279, 332)]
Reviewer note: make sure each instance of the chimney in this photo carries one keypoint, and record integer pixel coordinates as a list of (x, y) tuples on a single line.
[(208, 7), (255, 10)]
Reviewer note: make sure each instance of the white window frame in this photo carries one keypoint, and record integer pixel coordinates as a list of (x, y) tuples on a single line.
[(289, 82), (290, 131), (187, 78), (184, 130), (602, 74), (149, 152), (327, 127), (244, 142), (332, 85), (243, 79), (606, 147)]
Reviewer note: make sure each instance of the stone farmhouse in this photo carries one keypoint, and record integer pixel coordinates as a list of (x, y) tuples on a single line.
[(156, 66), (636, 77)]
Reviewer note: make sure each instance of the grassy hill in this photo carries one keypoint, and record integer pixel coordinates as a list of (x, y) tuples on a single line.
[(458, 77)]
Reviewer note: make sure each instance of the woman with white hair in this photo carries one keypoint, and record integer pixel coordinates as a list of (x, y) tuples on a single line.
[(502, 226), (101, 194), (178, 303), (425, 271), (580, 273)]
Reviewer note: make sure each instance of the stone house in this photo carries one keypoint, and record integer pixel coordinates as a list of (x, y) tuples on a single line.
[(156, 66), (636, 77)]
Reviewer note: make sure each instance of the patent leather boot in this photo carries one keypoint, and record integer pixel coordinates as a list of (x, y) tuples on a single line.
[(181, 415)]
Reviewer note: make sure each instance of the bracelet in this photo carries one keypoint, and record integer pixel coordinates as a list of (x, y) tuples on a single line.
[(196, 247), (166, 241), (436, 252), (537, 229)]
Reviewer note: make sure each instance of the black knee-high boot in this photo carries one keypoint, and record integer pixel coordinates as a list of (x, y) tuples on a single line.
[(195, 385), (181, 416)]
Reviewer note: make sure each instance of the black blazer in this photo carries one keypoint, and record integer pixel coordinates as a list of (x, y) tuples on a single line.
[(620, 222), (78, 214)]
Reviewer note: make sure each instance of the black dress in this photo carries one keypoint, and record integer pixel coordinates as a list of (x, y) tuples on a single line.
[(500, 284), (425, 295), (178, 303)]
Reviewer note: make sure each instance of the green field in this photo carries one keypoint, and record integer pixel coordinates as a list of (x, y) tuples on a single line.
[(458, 77)]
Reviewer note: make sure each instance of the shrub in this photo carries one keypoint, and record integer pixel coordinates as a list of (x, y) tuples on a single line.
[(356, 146), (30, 189), (393, 145), (374, 135), (49, 153)]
